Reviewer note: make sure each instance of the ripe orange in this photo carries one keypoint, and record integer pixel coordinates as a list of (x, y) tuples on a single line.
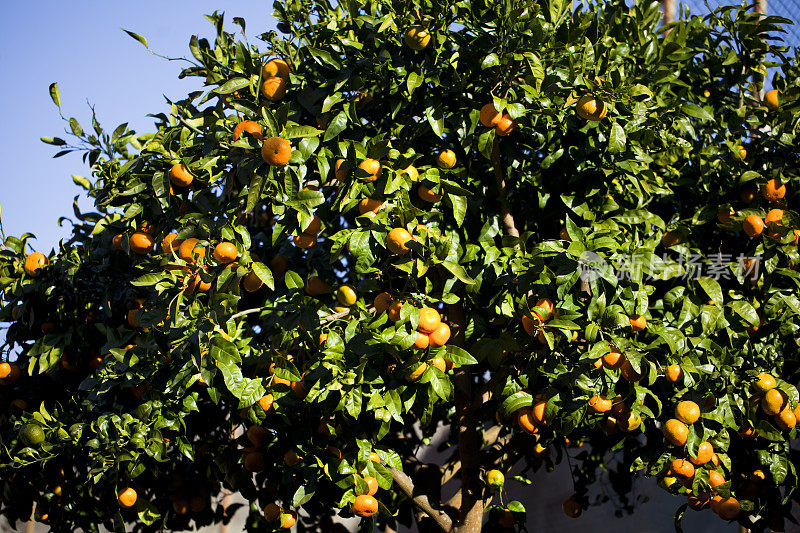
[(429, 196), (274, 88), (279, 265), (765, 382), (393, 311), (412, 172), (304, 240), (381, 302), (572, 507), (724, 214), (489, 115), (771, 99), (275, 67), (676, 432), (687, 412), (288, 519), (753, 225), (538, 412), (530, 325), (291, 458), (438, 363), (504, 126), (5, 370), (314, 226), (630, 422), (116, 242), (257, 435), (671, 238), (698, 502), (638, 322), (429, 320), (141, 243), (341, 170), (276, 151), (705, 452), (728, 509), (226, 252), (272, 512), (422, 341), (773, 190), (34, 263), (614, 359), (369, 205), (774, 216), (740, 153), (169, 244), (397, 240), (547, 306), (446, 159), (683, 468), (525, 420), (251, 282), (189, 251), (372, 485), (127, 498), (591, 108), (365, 505), (629, 373), (267, 403), (786, 420), (440, 336), (748, 193), (179, 176), (599, 404), (417, 38), (747, 431), (197, 283), (372, 168), (316, 287), (773, 402), (249, 126)]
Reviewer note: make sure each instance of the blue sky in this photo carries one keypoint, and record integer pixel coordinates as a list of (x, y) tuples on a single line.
[(81, 46)]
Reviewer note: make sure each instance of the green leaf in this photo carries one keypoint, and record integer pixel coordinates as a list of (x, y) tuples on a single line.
[(697, 112), (54, 95), (336, 126), (232, 85), (459, 356), (81, 182), (514, 403), (712, 288), (617, 140), (55, 141), (491, 60), (137, 37), (458, 271), (264, 274)]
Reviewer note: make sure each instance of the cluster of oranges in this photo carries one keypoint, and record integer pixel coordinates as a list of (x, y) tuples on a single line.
[(503, 124)]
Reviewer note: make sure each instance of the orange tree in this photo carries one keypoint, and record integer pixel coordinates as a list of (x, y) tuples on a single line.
[(563, 236)]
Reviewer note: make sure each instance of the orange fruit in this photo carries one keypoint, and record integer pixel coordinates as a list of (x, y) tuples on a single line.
[(786, 419), (412, 172), (504, 126), (715, 479), (747, 431), (728, 509), (34, 263), (304, 240), (141, 243), (438, 362), (341, 170), (638, 322), (547, 306), (274, 88), (591, 108), (614, 359), (753, 225), (374, 457), (256, 435), (275, 67), (288, 519), (279, 265), (724, 214), (417, 37), (440, 336), (687, 412), (189, 251), (372, 485), (446, 159), (226, 252), (372, 168), (170, 244), (276, 151), (599, 404), (773, 190), (254, 462), (314, 226), (698, 502), (682, 467), (538, 412), (127, 497), (267, 403), (773, 402), (704, 453), (629, 373), (676, 432), (291, 458), (5, 370), (422, 341), (381, 302), (397, 240), (116, 242), (394, 310), (765, 382), (365, 505), (180, 176), (525, 420), (740, 153), (530, 325), (196, 283), (251, 282), (428, 196), (369, 205), (316, 287), (671, 238), (272, 512), (247, 126), (774, 216), (748, 193), (572, 507), (489, 115), (771, 99), (429, 320)]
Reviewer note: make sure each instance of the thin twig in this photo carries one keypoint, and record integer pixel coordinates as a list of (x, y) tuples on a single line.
[(198, 131), (507, 217), (420, 501)]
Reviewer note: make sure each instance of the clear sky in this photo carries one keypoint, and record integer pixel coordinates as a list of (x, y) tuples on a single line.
[(81, 46)]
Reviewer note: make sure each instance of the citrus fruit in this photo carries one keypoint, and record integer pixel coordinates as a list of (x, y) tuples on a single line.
[(572, 507), (687, 412), (705, 451), (417, 37), (504, 126), (446, 159), (397, 240), (773, 190), (127, 497), (495, 479), (251, 282), (226, 252), (429, 320), (676, 432), (765, 382), (32, 434), (753, 225), (346, 295), (773, 402), (599, 404), (591, 108), (365, 505), (638, 322), (381, 302), (34, 263), (274, 88), (275, 67), (180, 176), (489, 115), (276, 151), (247, 126), (772, 100), (440, 336), (614, 359)]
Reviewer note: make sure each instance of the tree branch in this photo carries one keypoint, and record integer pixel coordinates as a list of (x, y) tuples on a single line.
[(505, 210), (420, 501)]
